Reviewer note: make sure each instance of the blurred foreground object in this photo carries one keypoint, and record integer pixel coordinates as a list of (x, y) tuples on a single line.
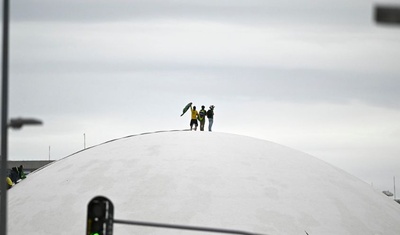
[(17, 123), (387, 14), (100, 216)]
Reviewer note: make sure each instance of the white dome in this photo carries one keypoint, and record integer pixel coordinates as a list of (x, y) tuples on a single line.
[(200, 179)]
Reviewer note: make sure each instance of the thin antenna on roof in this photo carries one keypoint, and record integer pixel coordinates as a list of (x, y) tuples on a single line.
[(394, 187)]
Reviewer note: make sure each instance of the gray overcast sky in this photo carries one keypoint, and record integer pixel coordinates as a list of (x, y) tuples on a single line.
[(317, 76)]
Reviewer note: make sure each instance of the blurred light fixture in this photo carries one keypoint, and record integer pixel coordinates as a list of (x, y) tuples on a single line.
[(387, 14), (17, 123)]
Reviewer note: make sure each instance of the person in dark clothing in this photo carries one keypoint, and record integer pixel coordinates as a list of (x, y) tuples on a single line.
[(210, 116), (14, 175)]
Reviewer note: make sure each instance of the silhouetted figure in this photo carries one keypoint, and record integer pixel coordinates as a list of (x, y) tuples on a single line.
[(202, 117), (210, 116), (193, 121)]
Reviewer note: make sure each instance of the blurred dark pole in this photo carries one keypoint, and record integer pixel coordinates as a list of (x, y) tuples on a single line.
[(387, 14), (4, 118)]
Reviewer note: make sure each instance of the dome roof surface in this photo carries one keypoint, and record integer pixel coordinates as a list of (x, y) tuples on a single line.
[(200, 179)]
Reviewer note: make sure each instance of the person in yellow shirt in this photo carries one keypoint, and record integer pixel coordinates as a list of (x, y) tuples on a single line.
[(193, 121), (9, 182)]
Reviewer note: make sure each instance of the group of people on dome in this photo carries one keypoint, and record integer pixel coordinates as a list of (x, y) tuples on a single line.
[(200, 116), (15, 175)]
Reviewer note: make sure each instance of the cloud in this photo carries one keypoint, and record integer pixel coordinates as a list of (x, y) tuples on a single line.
[(248, 12), (131, 46)]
